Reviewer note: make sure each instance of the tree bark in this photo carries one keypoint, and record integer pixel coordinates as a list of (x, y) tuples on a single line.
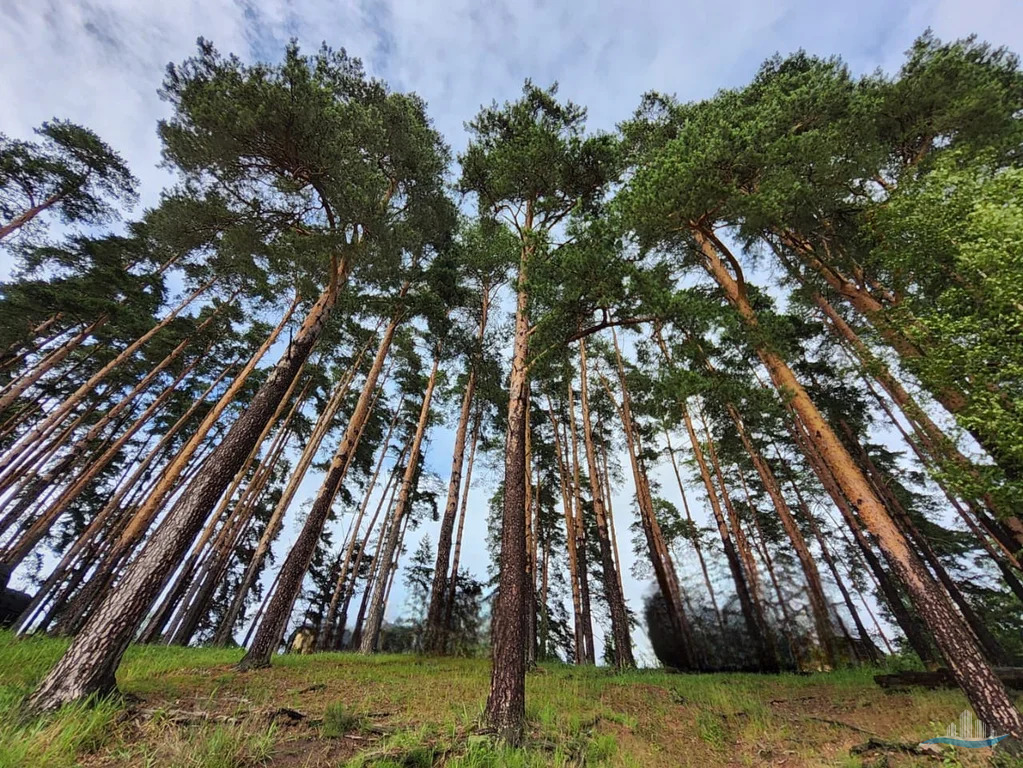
[(30, 213), (612, 591), (403, 509), (506, 704), (581, 554), (579, 654), (434, 639), (89, 664), (452, 583), (982, 687), (294, 568)]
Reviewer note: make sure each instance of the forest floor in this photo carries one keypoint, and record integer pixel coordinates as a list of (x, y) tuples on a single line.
[(189, 708)]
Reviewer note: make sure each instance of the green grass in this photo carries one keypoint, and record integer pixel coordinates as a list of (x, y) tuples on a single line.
[(195, 710), (338, 721)]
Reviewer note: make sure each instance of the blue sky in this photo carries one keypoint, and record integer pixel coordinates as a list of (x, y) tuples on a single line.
[(100, 62)]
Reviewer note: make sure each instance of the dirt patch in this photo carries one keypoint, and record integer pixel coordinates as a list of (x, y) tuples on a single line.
[(310, 751)]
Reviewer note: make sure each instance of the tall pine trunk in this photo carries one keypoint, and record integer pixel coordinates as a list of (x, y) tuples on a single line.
[(581, 553), (965, 659), (506, 705), (434, 639), (294, 568), (402, 511), (89, 664), (452, 583), (612, 589)]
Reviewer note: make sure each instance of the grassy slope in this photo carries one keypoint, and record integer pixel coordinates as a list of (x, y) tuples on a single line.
[(187, 707)]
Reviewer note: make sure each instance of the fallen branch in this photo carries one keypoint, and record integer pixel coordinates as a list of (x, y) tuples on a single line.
[(906, 747), (841, 724), (1011, 677), (292, 714)]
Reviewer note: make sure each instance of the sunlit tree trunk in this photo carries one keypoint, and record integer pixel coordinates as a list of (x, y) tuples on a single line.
[(506, 703), (295, 566), (612, 590), (89, 664), (452, 583), (326, 637), (403, 509), (965, 659)]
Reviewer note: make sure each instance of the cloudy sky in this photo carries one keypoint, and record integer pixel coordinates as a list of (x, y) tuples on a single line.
[(99, 63)]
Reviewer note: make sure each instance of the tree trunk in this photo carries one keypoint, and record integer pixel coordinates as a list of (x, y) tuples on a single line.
[(296, 564), (952, 398), (994, 652), (367, 591), (581, 554), (612, 591), (89, 664), (965, 659), (375, 618), (273, 526), (145, 514), (326, 638), (434, 638), (916, 635), (579, 654), (30, 213), (762, 648), (744, 558), (16, 388), (872, 651), (506, 705), (452, 583), (222, 549)]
